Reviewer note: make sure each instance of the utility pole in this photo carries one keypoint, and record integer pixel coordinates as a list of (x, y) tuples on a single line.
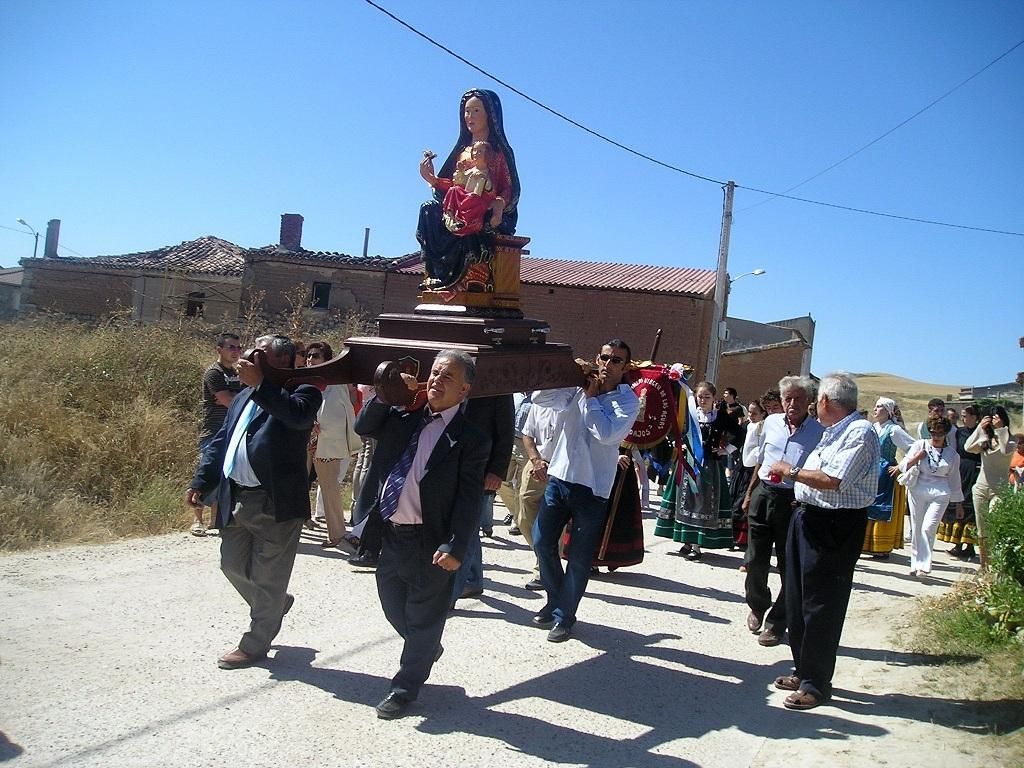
[(721, 287)]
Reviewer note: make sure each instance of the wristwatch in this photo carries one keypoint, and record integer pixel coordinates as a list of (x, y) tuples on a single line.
[(793, 473)]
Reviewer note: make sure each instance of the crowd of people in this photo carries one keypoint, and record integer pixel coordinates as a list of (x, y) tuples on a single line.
[(799, 473)]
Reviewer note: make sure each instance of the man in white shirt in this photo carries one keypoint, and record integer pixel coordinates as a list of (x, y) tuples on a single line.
[(770, 501), (598, 417)]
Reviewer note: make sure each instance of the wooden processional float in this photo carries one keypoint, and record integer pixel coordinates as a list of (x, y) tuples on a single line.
[(512, 353), (469, 298)]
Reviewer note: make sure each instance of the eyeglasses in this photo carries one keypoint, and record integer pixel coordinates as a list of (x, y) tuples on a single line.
[(313, 355), (232, 347), (612, 359)]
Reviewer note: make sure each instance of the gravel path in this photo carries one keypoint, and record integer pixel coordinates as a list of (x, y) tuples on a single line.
[(107, 658)]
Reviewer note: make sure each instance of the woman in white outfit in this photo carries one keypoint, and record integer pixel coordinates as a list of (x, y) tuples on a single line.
[(937, 484), (336, 443), (993, 441)]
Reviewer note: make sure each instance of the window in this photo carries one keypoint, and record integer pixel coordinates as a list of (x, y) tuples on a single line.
[(194, 304), (321, 298)]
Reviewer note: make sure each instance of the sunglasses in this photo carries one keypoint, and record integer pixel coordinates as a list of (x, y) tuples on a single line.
[(611, 359), (313, 355)]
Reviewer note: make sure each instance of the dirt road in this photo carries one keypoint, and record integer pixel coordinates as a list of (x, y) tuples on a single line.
[(108, 659)]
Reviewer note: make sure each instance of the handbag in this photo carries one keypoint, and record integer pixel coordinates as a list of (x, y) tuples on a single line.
[(909, 478)]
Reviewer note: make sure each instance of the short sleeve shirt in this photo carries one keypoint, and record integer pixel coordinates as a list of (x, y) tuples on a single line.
[(217, 378)]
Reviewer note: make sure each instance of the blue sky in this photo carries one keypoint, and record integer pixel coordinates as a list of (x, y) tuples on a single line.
[(145, 124)]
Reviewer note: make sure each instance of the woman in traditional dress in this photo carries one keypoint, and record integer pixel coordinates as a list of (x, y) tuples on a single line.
[(937, 485), (447, 253), (961, 531), (885, 517), (702, 518)]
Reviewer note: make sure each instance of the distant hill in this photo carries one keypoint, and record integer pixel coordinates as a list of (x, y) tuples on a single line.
[(912, 396)]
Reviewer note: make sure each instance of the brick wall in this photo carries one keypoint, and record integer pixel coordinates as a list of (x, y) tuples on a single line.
[(751, 373), (586, 318)]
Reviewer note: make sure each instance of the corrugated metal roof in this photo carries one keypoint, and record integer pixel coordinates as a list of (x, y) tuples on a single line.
[(601, 274), (628, 277)]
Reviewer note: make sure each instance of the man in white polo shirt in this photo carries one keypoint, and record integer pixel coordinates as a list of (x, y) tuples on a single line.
[(598, 417)]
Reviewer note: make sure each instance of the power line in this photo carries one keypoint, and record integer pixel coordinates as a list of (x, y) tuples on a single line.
[(893, 129), (677, 169), (61, 247)]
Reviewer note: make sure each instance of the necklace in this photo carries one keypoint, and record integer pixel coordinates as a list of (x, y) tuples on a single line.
[(934, 458)]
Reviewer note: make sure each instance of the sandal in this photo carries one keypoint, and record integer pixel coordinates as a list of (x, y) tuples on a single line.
[(802, 700), (352, 539), (787, 683), (328, 544), (197, 529)]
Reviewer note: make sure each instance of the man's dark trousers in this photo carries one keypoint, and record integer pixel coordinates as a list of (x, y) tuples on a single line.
[(771, 509), (415, 595), (823, 548)]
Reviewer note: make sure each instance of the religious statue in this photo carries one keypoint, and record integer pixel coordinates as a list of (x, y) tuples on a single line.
[(476, 194)]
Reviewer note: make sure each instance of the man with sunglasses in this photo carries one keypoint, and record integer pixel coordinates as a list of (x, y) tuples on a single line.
[(220, 385), (597, 418)]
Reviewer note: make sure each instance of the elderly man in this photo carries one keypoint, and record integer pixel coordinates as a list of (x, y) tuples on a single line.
[(597, 418), (769, 503), (423, 488), (257, 464), (834, 488)]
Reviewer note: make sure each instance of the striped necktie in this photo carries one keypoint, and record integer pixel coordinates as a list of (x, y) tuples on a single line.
[(396, 478)]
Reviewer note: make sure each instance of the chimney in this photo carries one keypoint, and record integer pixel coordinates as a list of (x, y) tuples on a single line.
[(291, 232), (52, 236)]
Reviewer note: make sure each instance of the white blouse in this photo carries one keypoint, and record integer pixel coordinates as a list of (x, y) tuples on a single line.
[(940, 471)]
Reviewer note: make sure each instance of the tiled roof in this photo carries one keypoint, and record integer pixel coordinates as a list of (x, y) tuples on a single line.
[(597, 274), (11, 275), (334, 257), (206, 255)]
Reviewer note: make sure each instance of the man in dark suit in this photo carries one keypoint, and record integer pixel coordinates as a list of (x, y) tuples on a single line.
[(257, 464), (424, 489)]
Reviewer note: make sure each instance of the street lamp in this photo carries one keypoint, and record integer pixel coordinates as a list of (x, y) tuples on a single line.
[(35, 248), (756, 273)]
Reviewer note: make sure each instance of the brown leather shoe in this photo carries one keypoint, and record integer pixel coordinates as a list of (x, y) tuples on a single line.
[(768, 638), (754, 622), (239, 659)]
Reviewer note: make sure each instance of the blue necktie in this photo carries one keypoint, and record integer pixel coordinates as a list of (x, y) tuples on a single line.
[(396, 478), (244, 420)]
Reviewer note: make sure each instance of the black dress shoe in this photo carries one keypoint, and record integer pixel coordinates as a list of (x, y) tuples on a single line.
[(514, 531), (364, 560), (543, 621), (535, 585), (392, 706), (559, 633)]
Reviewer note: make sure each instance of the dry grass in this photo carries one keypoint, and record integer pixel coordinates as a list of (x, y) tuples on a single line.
[(99, 426), (912, 396)]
